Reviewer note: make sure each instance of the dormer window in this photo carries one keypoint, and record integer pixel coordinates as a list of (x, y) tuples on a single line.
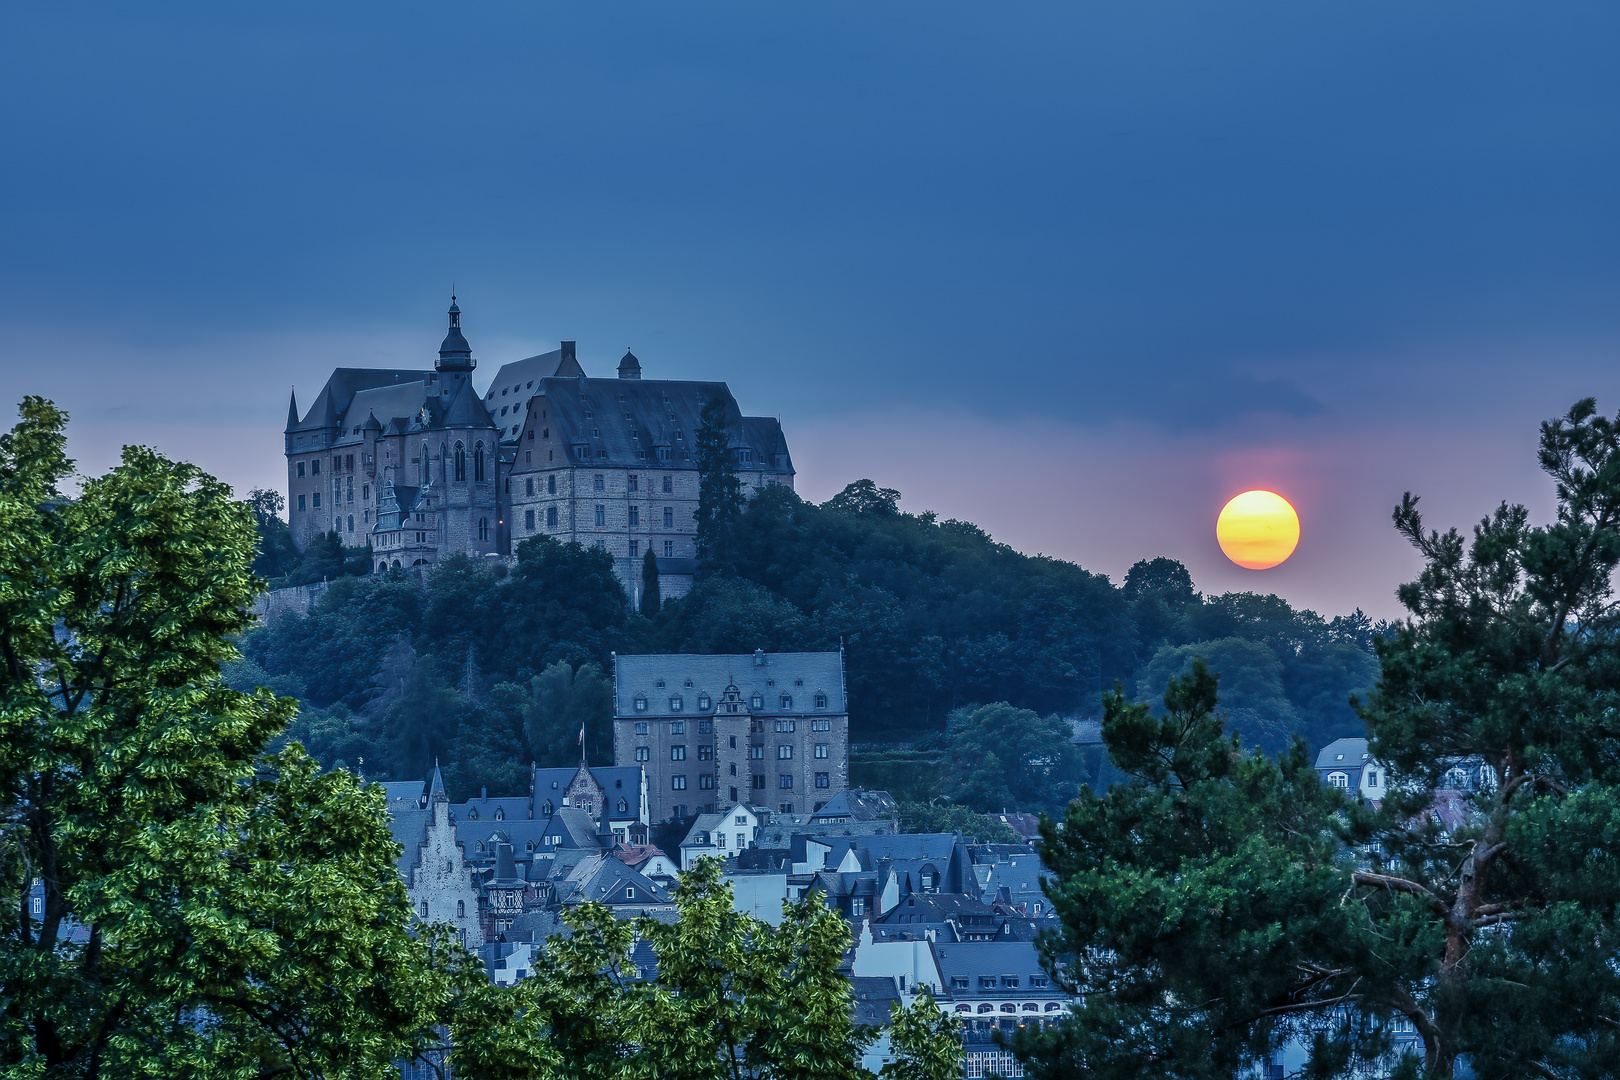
[(757, 701), (688, 684), (641, 704), (500, 814), (472, 814), (629, 892), (660, 684), (704, 702), (545, 808), (675, 703), (821, 700)]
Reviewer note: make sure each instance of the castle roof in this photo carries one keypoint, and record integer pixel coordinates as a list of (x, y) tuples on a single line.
[(798, 676), (341, 387)]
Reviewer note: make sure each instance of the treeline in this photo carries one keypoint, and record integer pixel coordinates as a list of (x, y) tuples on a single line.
[(485, 670)]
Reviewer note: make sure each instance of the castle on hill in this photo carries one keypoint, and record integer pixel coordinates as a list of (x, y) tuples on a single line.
[(419, 464)]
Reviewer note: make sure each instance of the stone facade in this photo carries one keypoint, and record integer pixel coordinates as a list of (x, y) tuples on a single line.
[(440, 880), (712, 732), (418, 464)]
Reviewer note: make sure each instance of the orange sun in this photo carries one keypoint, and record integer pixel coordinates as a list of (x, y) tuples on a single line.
[(1258, 529)]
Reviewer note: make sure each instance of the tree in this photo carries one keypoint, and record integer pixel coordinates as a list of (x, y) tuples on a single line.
[(1160, 591), (276, 553), (1222, 903), (720, 497), (650, 599), (565, 702), (1251, 686), (1004, 758), (927, 1042), (204, 911), (863, 498), (932, 817)]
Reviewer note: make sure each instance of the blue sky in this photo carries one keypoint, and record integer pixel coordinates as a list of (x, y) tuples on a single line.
[(1076, 271)]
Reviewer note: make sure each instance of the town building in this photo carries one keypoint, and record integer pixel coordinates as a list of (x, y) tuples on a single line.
[(1348, 765), (417, 464), (712, 732)]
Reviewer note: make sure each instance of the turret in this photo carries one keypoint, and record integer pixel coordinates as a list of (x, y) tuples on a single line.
[(629, 366), (292, 410), (455, 354)]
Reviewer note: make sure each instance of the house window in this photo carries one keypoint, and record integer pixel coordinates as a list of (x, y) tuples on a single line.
[(785, 781), (629, 892), (528, 520), (315, 500), (821, 750), (784, 752), (1372, 778), (677, 753), (635, 517), (705, 753), (756, 752), (551, 517), (785, 725), (720, 839), (823, 780), (315, 466), (300, 502), (1038, 981), (857, 905), (987, 982), (706, 781), (677, 727), (1009, 982), (678, 783), (300, 468), (669, 548), (601, 515), (669, 517), (959, 982), (641, 753), (1339, 780), (759, 780)]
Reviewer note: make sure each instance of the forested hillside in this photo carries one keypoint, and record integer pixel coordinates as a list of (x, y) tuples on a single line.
[(486, 669)]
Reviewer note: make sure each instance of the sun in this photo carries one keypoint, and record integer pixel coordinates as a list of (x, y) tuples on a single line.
[(1258, 529)]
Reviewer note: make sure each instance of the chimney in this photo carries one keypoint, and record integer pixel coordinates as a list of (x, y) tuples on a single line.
[(759, 657), (568, 351), (505, 868)]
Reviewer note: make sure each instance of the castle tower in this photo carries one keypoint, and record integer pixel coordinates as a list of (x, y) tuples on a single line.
[(732, 724)]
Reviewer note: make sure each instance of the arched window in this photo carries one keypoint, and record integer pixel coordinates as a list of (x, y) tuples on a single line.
[(1009, 1008), (461, 463), (987, 1008), (461, 909), (424, 909), (478, 461), (546, 807), (624, 807), (500, 815), (483, 526), (472, 814)]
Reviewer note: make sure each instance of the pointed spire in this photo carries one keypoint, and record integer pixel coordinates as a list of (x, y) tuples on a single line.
[(292, 410), (436, 787)]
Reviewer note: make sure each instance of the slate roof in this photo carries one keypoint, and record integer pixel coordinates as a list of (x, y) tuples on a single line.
[(515, 383), (1344, 754), (875, 998), (618, 781), (973, 959), (407, 824), (778, 674), (341, 387), (856, 804), (919, 847), (396, 401), (484, 810)]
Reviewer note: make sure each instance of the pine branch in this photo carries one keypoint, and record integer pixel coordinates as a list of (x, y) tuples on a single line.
[(1395, 884)]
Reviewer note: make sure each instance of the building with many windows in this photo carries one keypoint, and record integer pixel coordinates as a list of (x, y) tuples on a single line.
[(419, 464), (712, 732)]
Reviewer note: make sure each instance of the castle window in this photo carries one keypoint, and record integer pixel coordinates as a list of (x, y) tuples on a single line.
[(677, 727), (601, 515), (705, 727), (757, 701), (704, 702), (669, 517), (461, 909), (551, 484), (678, 783), (300, 502), (663, 453), (300, 468), (351, 525), (545, 807), (669, 484), (461, 463), (641, 706), (784, 725), (633, 486), (669, 546), (785, 781), (784, 752), (821, 749), (315, 500), (601, 453), (821, 725), (822, 780), (635, 518), (315, 466), (624, 807), (528, 520), (705, 753), (483, 528), (478, 461), (472, 814), (598, 483), (528, 486), (676, 703), (642, 754), (821, 700), (551, 517), (365, 491), (706, 781), (500, 815), (787, 701)]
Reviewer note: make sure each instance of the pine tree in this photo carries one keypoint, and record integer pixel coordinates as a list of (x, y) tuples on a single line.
[(720, 498), (1221, 903)]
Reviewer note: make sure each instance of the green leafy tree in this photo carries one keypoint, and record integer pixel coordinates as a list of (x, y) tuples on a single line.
[(650, 598), (205, 911), (565, 701), (863, 498), (1005, 758), (927, 1042), (720, 495), (276, 554), (1160, 592), (935, 817)]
